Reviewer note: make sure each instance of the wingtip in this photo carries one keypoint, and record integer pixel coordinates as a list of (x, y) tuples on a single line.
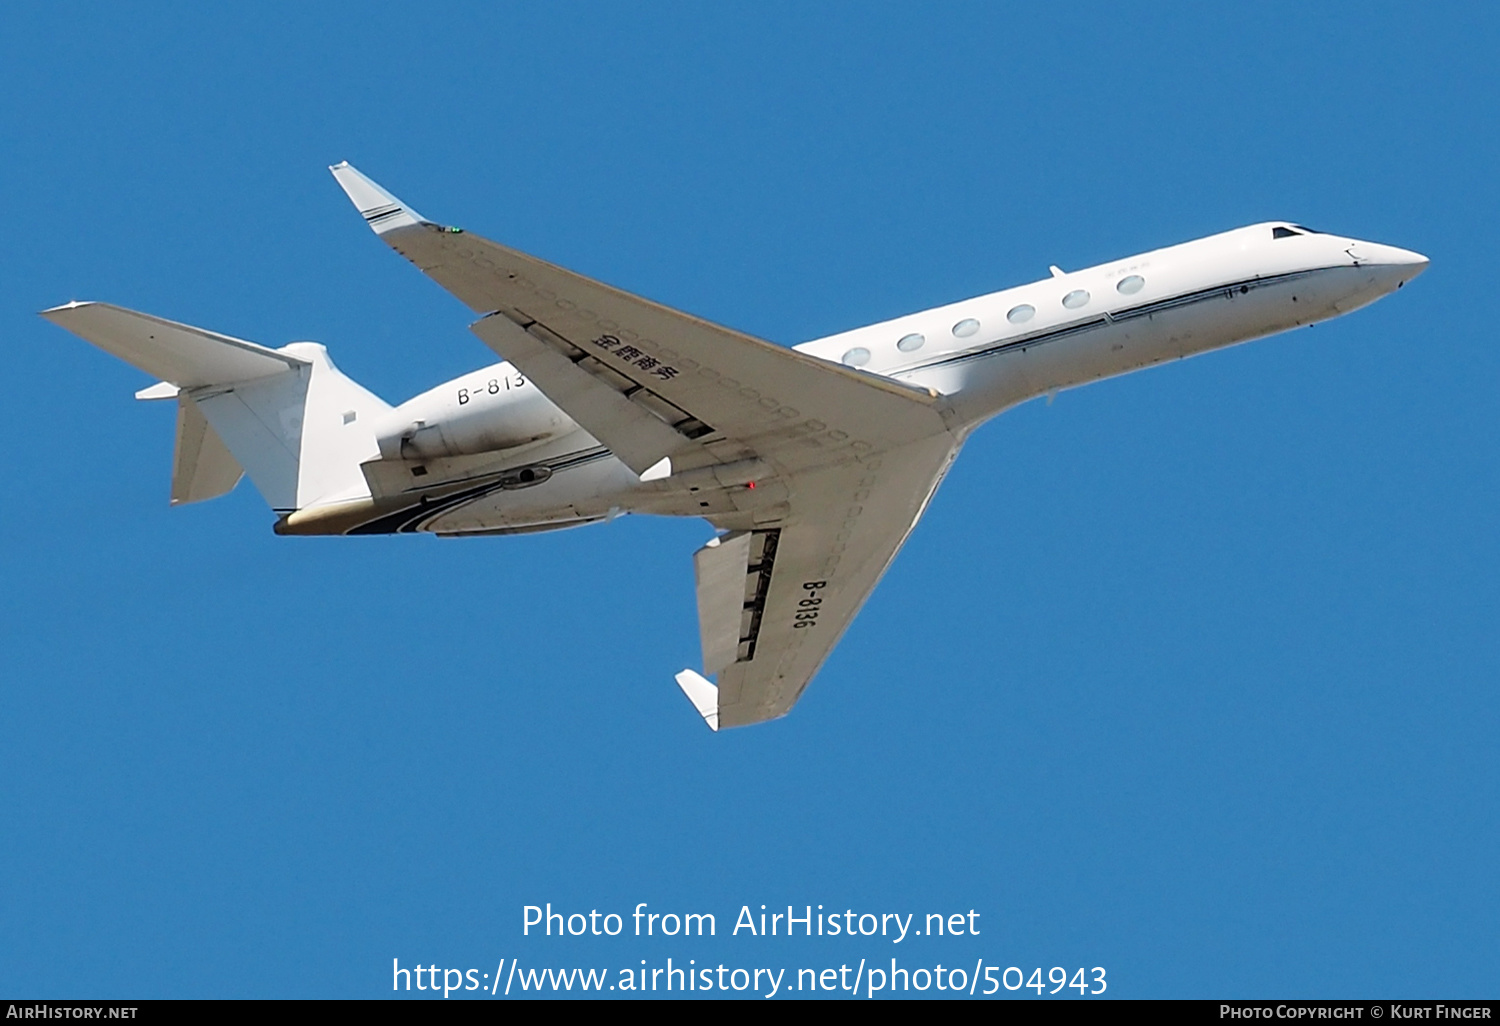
[(381, 210), (71, 304), (703, 694)]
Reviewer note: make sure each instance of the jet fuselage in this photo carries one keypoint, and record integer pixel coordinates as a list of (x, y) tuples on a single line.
[(488, 453)]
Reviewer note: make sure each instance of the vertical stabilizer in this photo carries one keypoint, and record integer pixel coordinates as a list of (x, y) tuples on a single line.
[(301, 435)]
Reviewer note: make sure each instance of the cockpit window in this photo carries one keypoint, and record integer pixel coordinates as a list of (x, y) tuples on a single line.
[(1309, 231), (1282, 232)]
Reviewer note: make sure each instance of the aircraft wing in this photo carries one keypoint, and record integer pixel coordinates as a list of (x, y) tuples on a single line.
[(773, 601), (625, 367), (855, 457)]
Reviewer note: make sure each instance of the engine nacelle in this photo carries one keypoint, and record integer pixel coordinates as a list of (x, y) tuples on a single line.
[(487, 411)]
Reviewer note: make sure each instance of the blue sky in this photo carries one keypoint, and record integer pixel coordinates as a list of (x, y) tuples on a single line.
[(1191, 675)]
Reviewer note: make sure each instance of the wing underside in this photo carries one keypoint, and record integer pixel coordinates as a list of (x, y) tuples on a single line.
[(633, 365), (778, 598), (851, 458)]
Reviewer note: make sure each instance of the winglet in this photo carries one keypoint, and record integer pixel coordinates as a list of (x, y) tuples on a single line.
[(662, 468), (702, 693), (381, 211), (160, 390)]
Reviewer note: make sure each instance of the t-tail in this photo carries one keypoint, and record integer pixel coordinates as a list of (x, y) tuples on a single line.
[(287, 417)]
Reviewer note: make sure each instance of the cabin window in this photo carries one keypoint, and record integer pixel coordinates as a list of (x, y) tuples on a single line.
[(1282, 232), (1078, 297), (911, 343), (965, 327), (857, 357), (1130, 285), (1021, 314)]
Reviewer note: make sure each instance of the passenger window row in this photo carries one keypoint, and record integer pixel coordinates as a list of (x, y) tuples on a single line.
[(1020, 314)]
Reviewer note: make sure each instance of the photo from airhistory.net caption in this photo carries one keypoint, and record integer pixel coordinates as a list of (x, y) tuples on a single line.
[(910, 955)]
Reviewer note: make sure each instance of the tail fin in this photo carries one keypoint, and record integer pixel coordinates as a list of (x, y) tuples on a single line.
[(287, 416)]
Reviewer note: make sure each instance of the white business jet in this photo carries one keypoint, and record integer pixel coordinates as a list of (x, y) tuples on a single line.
[(814, 463)]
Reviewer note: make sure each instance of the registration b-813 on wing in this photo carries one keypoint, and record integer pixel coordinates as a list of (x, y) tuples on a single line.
[(813, 463)]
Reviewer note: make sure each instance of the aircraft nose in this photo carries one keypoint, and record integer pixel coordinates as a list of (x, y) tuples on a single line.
[(1393, 257)]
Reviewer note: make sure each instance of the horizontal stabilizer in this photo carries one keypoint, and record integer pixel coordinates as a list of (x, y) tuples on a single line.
[(181, 354), (704, 696)]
